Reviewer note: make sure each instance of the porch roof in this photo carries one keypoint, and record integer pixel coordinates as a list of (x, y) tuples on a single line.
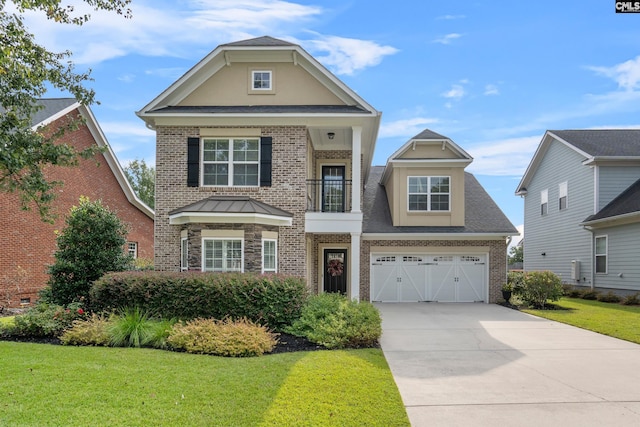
[(230, 209)]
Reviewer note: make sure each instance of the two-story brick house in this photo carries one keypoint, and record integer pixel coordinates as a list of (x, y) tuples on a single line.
[(30, 243), (261, 162), (582, 207)]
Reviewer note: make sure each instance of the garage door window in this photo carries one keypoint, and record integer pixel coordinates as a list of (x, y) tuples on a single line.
[(429, 193)]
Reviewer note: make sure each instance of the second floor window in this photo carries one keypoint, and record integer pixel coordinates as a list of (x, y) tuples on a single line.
[(429, 193), (230, 161), (261, 80), (132, 249), (544, 202), (562, 196)]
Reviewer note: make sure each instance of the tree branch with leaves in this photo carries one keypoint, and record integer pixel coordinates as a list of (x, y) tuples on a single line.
[(26, 70)]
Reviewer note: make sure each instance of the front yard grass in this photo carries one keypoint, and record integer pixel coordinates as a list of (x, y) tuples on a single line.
[(615, 320), (48, 385)]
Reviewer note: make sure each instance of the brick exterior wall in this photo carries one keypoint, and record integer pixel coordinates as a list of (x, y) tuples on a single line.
[(29, 243), (497, 260), (287, 192)]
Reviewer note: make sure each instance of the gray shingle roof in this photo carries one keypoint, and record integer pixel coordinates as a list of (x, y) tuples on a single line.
[(429, 134), (627, 202), (265, 109), (231, 205), (603, 142), (260, 41), (482, 215), (51, 106)]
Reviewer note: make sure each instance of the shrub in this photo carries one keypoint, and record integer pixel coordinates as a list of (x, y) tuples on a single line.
[(135, 328), (90, 245), (235, 338), (46, 320), (609, 297), (272, 300), (590, 294), (572, 291), (516, 280), (334, 321), (92, 331), (538, 287), (633, 299)]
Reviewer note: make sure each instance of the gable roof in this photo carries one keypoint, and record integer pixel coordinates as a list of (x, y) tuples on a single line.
[(595, 145), (55, 108), (260, 41), (482, 216), (625, 207)]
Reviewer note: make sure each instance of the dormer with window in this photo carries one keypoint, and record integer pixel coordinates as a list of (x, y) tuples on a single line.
[(424, 182)]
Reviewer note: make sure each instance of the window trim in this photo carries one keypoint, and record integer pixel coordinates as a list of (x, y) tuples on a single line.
[(184, 254), (135, 249), (228, 239), (563, 193), (605, 254), (428, 193), (544, 202), (230, 162), (261, 90), (275, 255)]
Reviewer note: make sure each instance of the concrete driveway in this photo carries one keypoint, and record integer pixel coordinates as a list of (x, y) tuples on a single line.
[(487, 365)]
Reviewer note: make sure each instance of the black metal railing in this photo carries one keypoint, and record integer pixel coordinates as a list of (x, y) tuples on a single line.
[(328, 195)]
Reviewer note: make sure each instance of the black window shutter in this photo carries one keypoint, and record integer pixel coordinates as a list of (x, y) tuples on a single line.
[(193, 162), (266, 143)]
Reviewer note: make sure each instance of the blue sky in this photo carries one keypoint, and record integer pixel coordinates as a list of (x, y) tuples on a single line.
[(492, 75)]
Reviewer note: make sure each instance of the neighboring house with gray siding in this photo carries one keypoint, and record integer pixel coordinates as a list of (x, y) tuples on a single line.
[(582, 207), (262, 159)]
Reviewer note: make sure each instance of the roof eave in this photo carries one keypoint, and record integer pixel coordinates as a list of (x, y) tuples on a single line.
[(438, 236), (181, 218), (622, 219)]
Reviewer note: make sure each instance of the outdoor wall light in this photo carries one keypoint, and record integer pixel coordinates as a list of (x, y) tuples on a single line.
[(331, 135), (543, 254)]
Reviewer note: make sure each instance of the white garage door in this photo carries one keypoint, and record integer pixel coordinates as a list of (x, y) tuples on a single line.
[(443, 278)]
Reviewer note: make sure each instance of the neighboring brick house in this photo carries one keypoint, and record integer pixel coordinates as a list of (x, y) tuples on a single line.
[(29, 243), (582, 207), (262, 157)]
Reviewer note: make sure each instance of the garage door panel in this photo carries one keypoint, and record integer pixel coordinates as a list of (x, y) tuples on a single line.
[(385, 273), (442, 279), (412, 282), (471, 278)]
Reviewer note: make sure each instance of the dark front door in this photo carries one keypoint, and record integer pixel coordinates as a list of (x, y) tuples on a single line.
[(335, 270), (333, 188)]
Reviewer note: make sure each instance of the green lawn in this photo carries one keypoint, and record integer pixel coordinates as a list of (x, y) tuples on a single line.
[(47, 385), (615, 320)]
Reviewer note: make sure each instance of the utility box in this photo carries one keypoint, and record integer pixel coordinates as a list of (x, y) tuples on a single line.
[(575, 269)]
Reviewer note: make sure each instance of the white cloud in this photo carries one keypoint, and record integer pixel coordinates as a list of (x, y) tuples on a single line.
[(131, 129), (405, 128), (625, 74), (450, 17), (347, 55), (447, 39), (456, 92), (491, 90), (508, 157)]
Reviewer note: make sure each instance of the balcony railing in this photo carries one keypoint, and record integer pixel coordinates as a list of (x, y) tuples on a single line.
[(328, 195)]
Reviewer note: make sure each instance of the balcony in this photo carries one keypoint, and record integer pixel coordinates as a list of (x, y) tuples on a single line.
[(329, 207)]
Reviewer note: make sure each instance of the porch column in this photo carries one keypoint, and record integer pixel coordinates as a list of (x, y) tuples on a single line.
[(356, 169), (354, 279)]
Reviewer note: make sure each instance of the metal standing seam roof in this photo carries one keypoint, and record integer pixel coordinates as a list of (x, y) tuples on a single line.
[(231, 205), (603, 142), (482, 215)]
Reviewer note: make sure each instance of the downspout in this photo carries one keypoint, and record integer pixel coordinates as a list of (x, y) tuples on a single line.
[(506, 273)]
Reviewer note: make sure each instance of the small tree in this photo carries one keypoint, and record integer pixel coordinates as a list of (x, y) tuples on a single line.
[(143, 180), (515, 254), (91, 245)]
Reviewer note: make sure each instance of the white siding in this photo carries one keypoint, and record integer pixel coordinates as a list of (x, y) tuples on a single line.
[(623, 258), (558, 234)]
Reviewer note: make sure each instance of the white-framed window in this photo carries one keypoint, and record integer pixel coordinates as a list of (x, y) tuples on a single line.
[(230, 162), (222, 255), (132, 249), (184, 254), (544, 202), (261, 80), (429, 193), (562, 196), (269, 256), (601, 254)]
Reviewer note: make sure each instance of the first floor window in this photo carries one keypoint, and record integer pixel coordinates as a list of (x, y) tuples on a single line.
[(184, 254), (222, 255), (429, 193), (132, 249), (601, 254), (269, 256)]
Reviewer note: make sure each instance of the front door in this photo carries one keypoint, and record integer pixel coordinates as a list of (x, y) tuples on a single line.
[(335, 270), (333, 188)]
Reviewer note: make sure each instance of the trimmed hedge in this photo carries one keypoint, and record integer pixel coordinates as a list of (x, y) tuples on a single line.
[(271, 300)]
